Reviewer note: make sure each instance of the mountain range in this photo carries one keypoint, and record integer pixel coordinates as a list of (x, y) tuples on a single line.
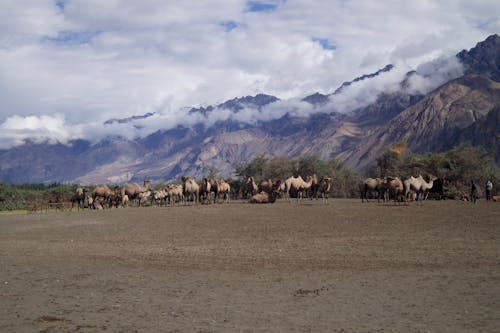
[(463, 110)]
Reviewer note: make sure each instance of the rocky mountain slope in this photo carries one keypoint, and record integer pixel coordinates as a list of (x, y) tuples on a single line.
[(463, 110)]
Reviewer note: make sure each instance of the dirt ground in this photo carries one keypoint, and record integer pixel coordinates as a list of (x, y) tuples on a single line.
[(286, 267)]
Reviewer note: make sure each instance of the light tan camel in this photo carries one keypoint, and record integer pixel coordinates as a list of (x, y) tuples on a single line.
[(419, 186), (264, 197), (426, 186), (143, 197), (125, 200), (298, 185), (174, 194), (190, 189), (159, 197), (224, 190)]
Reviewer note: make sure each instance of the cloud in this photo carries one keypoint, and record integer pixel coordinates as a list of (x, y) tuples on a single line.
[(86, 61), (432, 74), (17, 130)]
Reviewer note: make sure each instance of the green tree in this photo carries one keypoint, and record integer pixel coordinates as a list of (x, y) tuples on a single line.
[(255, 168), (278, 168)]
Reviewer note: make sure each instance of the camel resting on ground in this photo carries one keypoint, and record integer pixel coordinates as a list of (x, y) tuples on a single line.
[(264, 197)]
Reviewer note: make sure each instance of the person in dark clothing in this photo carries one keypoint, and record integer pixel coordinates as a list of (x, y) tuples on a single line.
[(489, 189), (473, 191)]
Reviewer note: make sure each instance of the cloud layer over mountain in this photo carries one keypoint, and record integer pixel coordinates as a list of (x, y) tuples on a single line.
[(67, 66)]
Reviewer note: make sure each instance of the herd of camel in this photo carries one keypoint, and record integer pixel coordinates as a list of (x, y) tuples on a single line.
[(206, 191), (266, 191), (412, 188)]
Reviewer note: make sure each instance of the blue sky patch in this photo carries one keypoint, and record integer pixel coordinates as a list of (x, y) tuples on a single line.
[(73, 37), (61, 4), (259, 6), (229, 25), (325, 43)]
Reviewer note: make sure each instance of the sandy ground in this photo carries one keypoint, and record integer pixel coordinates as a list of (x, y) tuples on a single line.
[(287, 267)]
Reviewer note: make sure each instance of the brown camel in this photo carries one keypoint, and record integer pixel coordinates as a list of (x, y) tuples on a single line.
[(251, 187), (134, 190), (372, 185), (324, 186)]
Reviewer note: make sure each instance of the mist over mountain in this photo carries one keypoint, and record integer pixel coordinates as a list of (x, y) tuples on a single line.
[(438, 105)]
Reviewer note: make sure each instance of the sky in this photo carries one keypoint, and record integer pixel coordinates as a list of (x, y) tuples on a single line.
[(67, 66)]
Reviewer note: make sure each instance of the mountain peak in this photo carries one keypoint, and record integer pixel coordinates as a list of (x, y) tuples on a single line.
[(483, 59), (316, 98), (128, 119), (239, 103), (387, 68)]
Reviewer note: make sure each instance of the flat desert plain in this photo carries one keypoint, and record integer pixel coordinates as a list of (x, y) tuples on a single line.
[(284, 267)]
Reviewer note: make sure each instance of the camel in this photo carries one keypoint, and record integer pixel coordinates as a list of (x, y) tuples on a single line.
[(78, 198), (282, 189), (390, 186), (324, 186), (159, 196), (133, 190), (143, 197), (190, 189), (298, 185), (419, 186), (265, 186), (205, 190), (313, 191), (214, 189), (372, 185), (251, 187), (89, 200), (224, 190), (101, 195), (174, 193), (125, 200), (264, 197), (395, 187), (426, 186), (116, 198)]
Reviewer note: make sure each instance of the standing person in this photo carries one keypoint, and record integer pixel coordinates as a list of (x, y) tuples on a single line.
[(473, 191), (489, 188)]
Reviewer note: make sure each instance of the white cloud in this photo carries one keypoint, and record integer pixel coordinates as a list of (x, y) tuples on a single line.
[(16, 130), (89, 60), (432, 74)]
